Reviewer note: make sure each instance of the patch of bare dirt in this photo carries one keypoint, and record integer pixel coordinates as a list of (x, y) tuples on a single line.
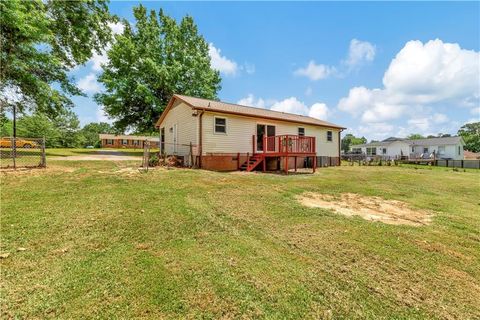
[(369, 208)]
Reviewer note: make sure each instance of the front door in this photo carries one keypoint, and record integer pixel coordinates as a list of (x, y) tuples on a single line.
[(263, 129)]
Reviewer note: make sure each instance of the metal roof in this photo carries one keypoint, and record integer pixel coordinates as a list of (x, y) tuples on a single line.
[(225, 107)]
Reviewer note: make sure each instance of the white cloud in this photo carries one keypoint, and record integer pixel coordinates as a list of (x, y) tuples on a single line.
[(290, 105), (439, 118), (359, 53), (315, 71), (319, 111), (433, 72), (102, 116), (116, 27), (221, 63), (249, 68), (89, 84), (420, 76), (98, 59), (251, 101)]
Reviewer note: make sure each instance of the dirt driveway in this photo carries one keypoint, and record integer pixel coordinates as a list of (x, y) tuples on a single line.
[(101, 155)]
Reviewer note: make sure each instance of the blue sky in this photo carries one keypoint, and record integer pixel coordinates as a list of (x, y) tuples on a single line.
[(377, 68)]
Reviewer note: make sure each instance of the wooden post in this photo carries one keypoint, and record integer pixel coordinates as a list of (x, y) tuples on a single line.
[(286, 164), (314, 163), (248, 160), (238, 160), (253, 144), (295, 163), (44, 158), (264, 164)]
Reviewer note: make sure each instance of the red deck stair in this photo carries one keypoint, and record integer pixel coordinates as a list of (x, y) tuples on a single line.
[(252, 163)]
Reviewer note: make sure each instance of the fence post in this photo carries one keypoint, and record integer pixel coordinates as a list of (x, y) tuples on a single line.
[(44, 158), (14, 152)]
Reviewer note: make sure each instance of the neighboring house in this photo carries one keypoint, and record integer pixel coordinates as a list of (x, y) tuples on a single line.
[(395, 148), (222, 136), (126, 141)]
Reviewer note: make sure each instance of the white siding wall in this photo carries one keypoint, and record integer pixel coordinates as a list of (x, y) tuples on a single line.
[(241, 129), (181, 116)]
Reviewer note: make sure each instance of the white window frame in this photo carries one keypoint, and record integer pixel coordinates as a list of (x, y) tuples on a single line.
[(215, 125), (441, 150), (124, 142), (331, 136), (371, 153), (110, 141), (298, 132)]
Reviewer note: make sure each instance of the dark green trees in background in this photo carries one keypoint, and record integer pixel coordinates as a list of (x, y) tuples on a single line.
[(91, 131), (350, 140), (471, 135), (40, 42), (150, 62)]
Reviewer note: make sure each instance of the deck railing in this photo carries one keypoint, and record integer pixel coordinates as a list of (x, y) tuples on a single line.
[(286, 144)]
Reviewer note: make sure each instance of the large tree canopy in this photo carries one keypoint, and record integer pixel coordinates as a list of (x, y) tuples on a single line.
[(471, 135), (41, 41), (150, 62)]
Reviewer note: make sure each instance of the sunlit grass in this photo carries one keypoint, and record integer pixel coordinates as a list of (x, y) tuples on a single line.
[(105, 240)]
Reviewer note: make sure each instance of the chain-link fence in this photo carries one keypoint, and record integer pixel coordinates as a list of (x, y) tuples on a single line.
[(22, 153)]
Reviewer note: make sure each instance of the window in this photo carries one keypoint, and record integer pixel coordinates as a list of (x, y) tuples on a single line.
[(458, 150), (357, 150), (425, 150), (384, 150), (371, 151), (220, 125), (413, 149), (162, 140), (329, 136), (109, 141), (124, 142), (301, 132), (135, 142), (441, 150)]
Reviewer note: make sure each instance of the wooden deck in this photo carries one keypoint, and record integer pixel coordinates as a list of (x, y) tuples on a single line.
[(281, 146)]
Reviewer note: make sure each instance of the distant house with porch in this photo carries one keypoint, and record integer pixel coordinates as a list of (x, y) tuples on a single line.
[(126, 141), (428, 148), (223, 136)]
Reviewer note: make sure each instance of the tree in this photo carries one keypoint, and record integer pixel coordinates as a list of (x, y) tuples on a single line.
[(68, 127), (415, 136), (471, 135), (41, 41), (38, 125), (150, 62), (91, 131), (350, 140)]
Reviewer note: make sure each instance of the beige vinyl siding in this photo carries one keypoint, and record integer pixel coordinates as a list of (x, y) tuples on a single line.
[(180, 115), (240, 130)]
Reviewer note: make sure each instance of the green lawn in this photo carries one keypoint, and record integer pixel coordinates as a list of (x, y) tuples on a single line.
[(106, 241)]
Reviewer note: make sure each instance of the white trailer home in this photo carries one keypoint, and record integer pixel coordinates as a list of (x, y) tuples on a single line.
[(396, 148)]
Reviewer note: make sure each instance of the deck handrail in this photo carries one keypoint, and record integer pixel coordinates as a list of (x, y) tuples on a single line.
[(286, 144)]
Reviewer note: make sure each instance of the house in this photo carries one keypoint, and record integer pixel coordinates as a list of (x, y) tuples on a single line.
[(126, 141), (396, 148), (222, 136)]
